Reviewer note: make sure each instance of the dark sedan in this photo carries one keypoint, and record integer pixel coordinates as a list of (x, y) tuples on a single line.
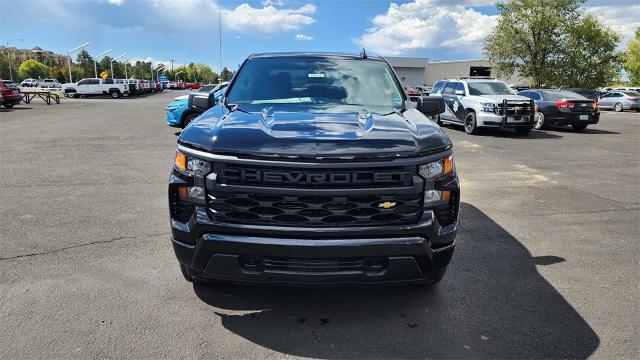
[(561, 107)]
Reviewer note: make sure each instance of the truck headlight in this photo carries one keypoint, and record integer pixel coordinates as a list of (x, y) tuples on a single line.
[(198, 169), (489, 107), (436, 168), (431, 171)]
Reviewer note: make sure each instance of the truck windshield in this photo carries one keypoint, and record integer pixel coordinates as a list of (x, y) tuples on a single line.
[(366, 83), (489, 88)]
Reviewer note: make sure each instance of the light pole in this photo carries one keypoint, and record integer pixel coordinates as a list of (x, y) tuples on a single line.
[(175, 76), (9, 56), (114, 59), (69, 58), (158, 68), (95, 67), (125, 66)]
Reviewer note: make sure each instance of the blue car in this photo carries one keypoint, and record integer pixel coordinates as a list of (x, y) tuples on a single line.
[(180, 114)]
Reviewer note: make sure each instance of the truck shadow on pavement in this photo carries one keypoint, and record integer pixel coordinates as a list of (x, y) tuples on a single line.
[(492, 303)]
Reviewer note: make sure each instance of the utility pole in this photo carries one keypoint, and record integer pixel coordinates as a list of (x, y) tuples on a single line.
[(69, 58), (9, 56), (220, 37)]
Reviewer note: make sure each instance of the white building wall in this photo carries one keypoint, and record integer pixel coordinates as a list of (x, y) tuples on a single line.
[(452, 69)]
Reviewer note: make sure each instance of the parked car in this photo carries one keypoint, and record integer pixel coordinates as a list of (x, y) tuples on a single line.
[(477, 103), (181, 111), (635, 89), (96, 86), (11, 95), (620, 100), (50, 84), (29, 83), (1, 99), (205, 89), (193, 86), (436, 89), (322, 179), (413, 93), (562, 107)]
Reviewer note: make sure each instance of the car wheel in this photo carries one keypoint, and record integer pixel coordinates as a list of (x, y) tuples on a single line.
[(9, 106), (470, 123), (579, 127), (188, 119), (523, 130), (538, 121), (115, 94), (618, 107)]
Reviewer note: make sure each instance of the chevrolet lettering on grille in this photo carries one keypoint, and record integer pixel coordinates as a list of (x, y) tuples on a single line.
[(256, 176)]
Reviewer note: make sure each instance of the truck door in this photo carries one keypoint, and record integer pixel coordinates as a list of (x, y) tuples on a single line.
[(452, 93)]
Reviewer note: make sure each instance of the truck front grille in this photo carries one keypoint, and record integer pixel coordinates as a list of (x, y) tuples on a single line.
[(515, 108), (314, 211), (315, 198)]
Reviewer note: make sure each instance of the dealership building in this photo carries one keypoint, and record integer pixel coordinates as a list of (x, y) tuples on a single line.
[(419, 71)]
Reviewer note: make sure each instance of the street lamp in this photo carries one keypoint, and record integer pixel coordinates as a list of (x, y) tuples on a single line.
[(9, 56), (175, 76), (158, 68), (125, 66), (114, 59), (95, 67), (69, 58)]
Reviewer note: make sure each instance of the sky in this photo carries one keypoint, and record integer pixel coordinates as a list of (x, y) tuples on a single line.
[(188, 30)]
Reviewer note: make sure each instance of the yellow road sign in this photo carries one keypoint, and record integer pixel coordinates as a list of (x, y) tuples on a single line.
[(104, 75)]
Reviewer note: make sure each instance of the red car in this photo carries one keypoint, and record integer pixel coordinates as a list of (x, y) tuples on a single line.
[(10, 93), (413, 93), (193, 86)]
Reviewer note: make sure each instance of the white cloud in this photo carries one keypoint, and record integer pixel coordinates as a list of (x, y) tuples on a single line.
[(428, 24), (268, 20), (116, 2), (623, 18), (303, 37), (274, 2)]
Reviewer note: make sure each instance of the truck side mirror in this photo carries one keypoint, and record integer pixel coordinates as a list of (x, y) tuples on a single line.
[(431, 105)]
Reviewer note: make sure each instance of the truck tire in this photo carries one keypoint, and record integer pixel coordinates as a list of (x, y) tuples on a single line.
[(188, 118), (470, 123), (115, 94)]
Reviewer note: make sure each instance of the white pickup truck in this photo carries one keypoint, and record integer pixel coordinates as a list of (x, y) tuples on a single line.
[(96, 86)]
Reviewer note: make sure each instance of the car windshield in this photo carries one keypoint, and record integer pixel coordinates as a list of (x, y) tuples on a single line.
[(316, 81), (630, 93), (489, 88)]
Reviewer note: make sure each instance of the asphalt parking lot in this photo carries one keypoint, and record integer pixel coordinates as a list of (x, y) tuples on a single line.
[(546, 266)]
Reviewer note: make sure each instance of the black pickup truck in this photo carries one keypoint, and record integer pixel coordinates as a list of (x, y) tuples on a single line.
[(315, 168)]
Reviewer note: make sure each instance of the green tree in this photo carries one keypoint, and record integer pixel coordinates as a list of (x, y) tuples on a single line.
[(58, 73), (33, 69), (226, 74), (632, 59), (588, 57), (85, 61), (528, 36)]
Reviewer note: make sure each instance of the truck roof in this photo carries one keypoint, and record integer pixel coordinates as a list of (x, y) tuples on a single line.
[(312, 55)]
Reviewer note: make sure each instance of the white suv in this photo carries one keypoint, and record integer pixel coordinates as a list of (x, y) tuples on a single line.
[(476, 103), (50, 83)]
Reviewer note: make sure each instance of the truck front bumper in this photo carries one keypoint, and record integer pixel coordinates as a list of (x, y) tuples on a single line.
[(275, 255)]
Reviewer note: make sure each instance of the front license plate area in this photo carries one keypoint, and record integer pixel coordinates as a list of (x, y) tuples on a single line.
[(584, 117)]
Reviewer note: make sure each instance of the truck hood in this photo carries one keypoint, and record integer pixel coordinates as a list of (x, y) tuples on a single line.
[(295, 131), (498, 98)]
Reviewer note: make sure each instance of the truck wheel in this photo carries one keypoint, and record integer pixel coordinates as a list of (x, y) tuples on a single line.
[(618, 107), (538, 121), (188, 119), (579, 127), (470, 123), (115, 94), (523, 130)]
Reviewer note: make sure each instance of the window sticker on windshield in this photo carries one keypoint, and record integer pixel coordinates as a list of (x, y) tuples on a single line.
[(316, 75)]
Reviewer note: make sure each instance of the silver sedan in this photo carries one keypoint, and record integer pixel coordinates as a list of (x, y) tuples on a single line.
[(620, 100)]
